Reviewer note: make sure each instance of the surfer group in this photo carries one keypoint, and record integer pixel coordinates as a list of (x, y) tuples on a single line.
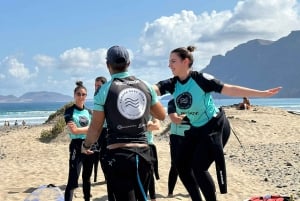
[(123, 107)]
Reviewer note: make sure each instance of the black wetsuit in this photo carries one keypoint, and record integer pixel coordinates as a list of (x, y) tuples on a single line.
[(126, 103), (209, 132), (177, 138), (82, 118)]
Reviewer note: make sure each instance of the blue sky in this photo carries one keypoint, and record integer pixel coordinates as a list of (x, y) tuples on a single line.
[(48, 45)]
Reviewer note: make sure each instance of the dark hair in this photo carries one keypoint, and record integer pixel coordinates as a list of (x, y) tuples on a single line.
[(79, 86), (118, 67), (101, 78), (184, 53)]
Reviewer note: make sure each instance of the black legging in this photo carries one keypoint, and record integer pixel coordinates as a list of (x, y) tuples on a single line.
[(202, 147), (76, 161), (102, 141), (187, 177), (87, 168), (122, 173), (175, 144), (172, 179), (153, 151)]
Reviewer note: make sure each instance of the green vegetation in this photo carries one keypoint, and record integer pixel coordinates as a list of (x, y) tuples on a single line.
[(59, 124), (59, 113)]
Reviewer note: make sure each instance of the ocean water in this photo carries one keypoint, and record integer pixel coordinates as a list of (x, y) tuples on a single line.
[(31, 113), (38, 113)]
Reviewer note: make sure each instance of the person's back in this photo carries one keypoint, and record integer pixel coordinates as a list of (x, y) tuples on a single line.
[(125, 103)]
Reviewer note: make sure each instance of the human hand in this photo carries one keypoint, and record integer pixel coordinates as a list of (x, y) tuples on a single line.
[(153, 125), (273, 91), (86, 149), (72, 126)]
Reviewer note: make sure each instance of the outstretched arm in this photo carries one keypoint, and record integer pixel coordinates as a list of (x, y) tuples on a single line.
[(239, 91)]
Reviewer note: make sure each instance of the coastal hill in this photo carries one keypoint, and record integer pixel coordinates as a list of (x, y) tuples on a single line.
[(41, 96), (262, 64)]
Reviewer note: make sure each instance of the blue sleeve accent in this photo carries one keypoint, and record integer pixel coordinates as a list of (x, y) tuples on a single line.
[(154, 99), (100, 97)]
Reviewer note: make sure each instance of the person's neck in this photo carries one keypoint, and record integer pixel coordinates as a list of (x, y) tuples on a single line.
[(184, 76), (80, 105)]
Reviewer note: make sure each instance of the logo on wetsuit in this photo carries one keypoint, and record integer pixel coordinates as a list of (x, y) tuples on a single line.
[(184, 100), (132, 103), (83, 121)]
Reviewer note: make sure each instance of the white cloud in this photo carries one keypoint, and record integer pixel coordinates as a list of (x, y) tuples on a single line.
[(81, 60), (217, 32), (17, 69), (45, 61), (176, 30), (269, 19)]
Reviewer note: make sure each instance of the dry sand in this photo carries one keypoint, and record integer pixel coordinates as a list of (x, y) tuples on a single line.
[(268, 162)]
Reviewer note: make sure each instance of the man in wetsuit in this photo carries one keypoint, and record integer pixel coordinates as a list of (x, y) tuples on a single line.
[(126, 103)]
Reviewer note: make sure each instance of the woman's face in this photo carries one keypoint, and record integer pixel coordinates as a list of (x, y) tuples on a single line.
[(178, 66), (80, 96)]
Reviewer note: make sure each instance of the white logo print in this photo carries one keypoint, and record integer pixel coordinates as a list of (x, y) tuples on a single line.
[(132, 103)]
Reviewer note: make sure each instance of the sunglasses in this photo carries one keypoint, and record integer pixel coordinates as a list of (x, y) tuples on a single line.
[(80, 94)]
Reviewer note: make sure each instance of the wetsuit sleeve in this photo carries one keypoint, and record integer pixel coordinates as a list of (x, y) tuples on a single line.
[(100, 97), (166, 86), (90, 113), (171, 107), (207, 82), (154, 99), (69, 114)]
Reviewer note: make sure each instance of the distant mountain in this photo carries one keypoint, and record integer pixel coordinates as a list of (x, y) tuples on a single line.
[(41, 96), (7, 98), (262, 64)]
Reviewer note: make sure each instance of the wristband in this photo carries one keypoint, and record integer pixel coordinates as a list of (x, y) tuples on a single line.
[(84, 146)]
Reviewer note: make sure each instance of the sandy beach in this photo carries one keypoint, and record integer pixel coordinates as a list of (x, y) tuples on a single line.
[(268, 162)]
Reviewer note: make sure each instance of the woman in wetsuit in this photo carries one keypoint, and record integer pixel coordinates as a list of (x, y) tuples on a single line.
[(179, 124), (210, 128), (78, 119)]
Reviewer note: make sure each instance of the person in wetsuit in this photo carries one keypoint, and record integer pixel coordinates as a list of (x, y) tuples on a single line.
[(78, 119), (153, 125), (210, 128), (179, 124), (126, 103), (99, 81)]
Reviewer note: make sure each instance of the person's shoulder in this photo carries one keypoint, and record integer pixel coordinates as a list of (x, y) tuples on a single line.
[(90, 111), (71, 107)]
